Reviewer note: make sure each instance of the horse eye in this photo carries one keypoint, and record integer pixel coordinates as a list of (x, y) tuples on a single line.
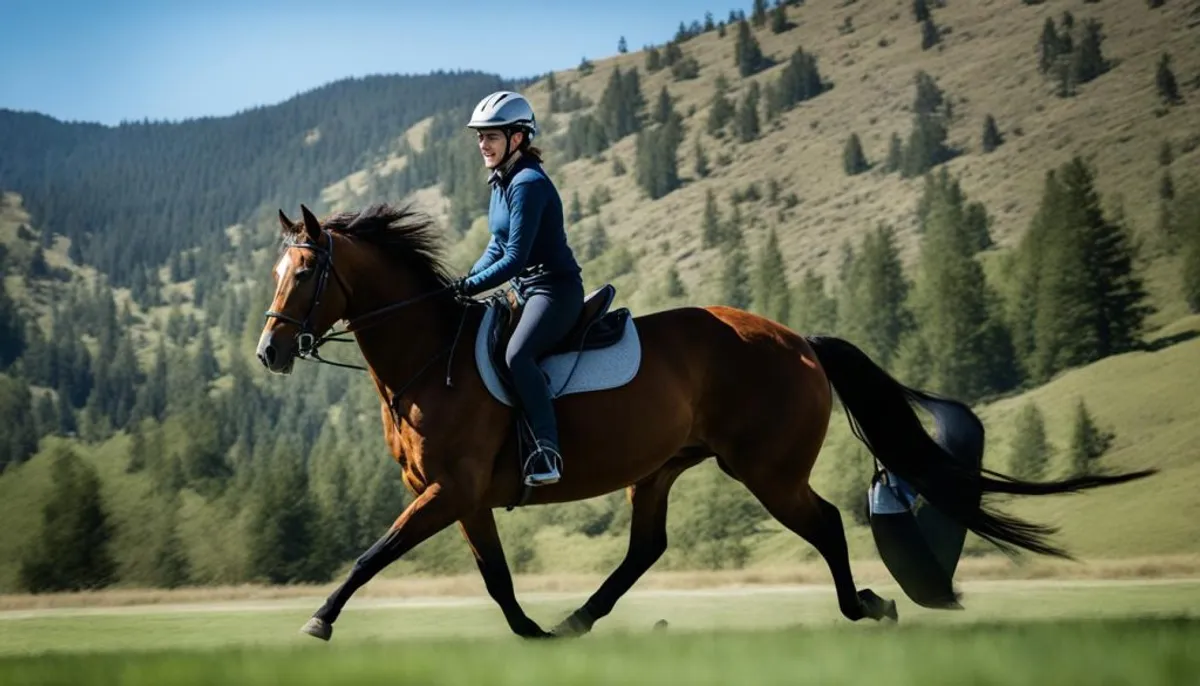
[(302, 274)]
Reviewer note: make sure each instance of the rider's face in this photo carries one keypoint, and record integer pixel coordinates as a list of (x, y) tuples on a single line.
[(491, 145)]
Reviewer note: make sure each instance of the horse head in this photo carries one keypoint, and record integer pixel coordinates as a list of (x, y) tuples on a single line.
[(304, 306)]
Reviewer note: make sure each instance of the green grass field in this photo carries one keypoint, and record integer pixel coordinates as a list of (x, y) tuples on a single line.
[(1011, 632)]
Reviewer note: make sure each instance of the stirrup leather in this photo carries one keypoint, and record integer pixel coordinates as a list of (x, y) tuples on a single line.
[(551, 456)]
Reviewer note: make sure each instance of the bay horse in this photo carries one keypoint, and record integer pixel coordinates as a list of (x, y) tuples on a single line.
[(713, 382)]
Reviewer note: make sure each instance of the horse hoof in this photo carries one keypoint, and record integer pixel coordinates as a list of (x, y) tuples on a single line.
[(319, 628), (877, 608), (576, 624)]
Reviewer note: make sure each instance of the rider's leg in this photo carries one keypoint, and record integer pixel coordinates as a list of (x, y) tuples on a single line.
[(546, 318)]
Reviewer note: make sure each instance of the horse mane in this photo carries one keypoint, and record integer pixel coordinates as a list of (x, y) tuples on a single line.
[(403, 234)]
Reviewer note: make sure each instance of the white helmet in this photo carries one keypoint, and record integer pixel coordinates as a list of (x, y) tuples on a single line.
[(502, 110)]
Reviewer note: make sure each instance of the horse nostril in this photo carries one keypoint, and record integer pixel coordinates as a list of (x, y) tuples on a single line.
[(268, 355)]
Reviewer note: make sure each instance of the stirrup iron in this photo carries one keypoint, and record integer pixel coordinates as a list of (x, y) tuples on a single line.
[(554, 462)]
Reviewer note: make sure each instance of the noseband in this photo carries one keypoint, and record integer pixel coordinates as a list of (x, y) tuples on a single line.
[(308, 344)]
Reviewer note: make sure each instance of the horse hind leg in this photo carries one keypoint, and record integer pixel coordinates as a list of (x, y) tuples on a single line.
[(819, 522), (647, 542)]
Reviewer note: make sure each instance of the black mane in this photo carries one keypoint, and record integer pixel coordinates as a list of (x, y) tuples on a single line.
[(403, 234)]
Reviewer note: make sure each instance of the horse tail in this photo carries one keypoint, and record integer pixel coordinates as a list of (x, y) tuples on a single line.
[(882, 417)]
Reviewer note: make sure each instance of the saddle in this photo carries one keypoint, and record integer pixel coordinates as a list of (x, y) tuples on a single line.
[(601, 351)]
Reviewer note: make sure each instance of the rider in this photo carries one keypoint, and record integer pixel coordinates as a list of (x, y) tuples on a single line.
[(529, 247)]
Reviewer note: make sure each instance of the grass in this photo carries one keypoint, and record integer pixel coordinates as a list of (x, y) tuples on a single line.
[(1010, 633)]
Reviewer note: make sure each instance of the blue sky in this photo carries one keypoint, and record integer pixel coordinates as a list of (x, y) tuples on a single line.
[(114, 61)]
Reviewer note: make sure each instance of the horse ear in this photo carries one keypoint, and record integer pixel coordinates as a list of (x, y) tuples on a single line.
[(286, 223), (311, 225)]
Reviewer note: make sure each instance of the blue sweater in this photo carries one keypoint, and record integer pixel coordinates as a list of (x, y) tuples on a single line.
[(525, 218)]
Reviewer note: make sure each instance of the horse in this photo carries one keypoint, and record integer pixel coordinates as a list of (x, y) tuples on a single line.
[(712, 383)]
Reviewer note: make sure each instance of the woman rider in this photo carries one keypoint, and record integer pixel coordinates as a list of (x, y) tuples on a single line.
[(528, 245)]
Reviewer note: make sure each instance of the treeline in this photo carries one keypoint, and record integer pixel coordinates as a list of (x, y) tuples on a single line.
[(128, 197)]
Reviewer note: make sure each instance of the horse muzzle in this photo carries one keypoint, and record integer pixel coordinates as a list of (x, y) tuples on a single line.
[(276, 353)]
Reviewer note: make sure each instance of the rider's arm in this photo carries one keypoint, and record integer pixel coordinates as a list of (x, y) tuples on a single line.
[(492, 253), (527, 200)]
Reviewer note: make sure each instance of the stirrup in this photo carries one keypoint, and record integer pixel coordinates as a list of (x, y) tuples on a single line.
[(550, 458)]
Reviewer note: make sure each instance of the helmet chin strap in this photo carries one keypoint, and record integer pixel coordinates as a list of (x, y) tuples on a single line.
[(498, 172)]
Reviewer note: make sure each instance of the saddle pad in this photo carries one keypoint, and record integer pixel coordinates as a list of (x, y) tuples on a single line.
[(597, 370)]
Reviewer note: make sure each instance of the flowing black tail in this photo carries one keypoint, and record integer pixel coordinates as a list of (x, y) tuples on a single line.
[(881, 414)]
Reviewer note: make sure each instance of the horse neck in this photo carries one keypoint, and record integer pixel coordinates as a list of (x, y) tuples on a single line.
[(400, 348)]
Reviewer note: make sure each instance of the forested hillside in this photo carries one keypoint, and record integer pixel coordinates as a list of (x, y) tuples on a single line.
[(992, 199)]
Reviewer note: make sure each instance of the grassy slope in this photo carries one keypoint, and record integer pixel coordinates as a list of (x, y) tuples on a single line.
[(986, 65)]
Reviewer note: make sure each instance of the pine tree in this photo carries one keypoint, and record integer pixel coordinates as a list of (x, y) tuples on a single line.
[(12, 330), (1165, 154), (772, 294), (673, 285), (66, 412), (920, 10), (1029, 452), (575, 213), (720, 112), (701, 167), (929, 98), (758, 15), (872, 294), (1164, 80), (966, 346), (747, 116), (813, 310), (895, 156), (653, 60), (926, 146), (735, 280), (72, 552), (1166, 187), (1089, 301), (622, 106), (622, 47), (779, 20), (1088, 62), (854, 162), (596, 243), (1188, 218), (1087, 444), (930, 36), (284, 520), (709, 25), (748, 55), (991, 134), (710, 230), (206, 361), (618, 167), (19, 431), (657, 161), (1048, 46), (663, 110)]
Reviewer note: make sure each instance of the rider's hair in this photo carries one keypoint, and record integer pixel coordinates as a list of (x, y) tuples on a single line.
[(530, 150)]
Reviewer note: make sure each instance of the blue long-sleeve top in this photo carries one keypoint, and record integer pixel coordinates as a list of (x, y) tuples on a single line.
[(525, 218)]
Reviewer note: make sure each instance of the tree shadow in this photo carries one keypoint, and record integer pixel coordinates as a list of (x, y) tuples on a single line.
[(1168, 341)]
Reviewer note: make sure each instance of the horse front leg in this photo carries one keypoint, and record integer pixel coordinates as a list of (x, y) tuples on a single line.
[(433, 511), (647, 542), (480, 531)]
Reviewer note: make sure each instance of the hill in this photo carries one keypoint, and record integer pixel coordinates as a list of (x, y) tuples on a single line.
[(140, 284)]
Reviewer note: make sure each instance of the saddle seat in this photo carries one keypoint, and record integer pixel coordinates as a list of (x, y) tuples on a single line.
[(601, 350)]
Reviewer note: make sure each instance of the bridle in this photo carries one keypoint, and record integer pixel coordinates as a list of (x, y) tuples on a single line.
[(308, 345)]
